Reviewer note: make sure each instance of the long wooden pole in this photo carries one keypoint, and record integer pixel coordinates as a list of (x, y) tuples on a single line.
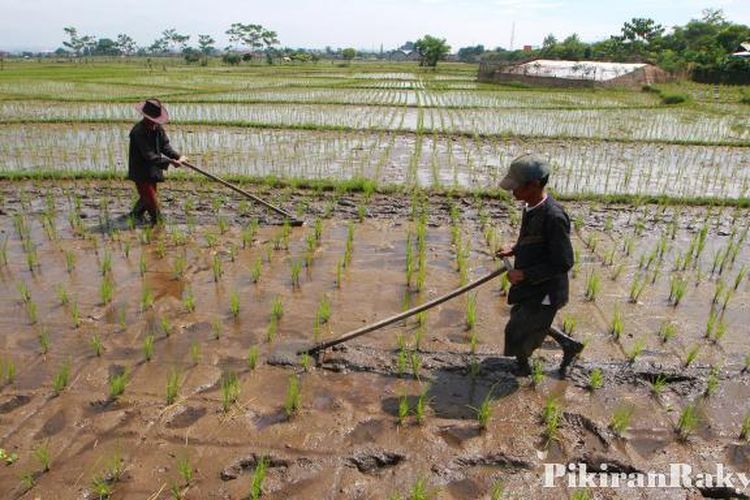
[(292, 219), (507, 266)]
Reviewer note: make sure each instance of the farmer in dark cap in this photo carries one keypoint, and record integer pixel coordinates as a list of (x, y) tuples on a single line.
[(543, 256), (149, 156)]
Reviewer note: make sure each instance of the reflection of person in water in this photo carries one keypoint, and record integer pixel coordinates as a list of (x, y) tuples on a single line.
[(149, 155), (543, 256)]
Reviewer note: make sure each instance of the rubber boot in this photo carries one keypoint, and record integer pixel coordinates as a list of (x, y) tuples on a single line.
[(571, 348)]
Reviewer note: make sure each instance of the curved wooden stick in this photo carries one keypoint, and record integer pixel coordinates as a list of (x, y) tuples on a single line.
[(507, 266), (292, 219)]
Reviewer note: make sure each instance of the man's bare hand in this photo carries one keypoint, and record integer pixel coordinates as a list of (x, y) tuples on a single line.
[(515, 276), (505, 252), (178, 162)]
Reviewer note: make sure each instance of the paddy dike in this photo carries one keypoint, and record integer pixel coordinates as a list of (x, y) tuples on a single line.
[(347, 439)]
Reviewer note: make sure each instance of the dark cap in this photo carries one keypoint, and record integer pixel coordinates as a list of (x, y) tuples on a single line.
[(525, 168)]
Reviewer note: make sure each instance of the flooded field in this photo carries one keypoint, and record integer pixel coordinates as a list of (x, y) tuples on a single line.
[(161, 363), (188, 317)]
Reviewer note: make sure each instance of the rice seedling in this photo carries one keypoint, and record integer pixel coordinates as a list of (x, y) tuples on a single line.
[(223, 224), (581, 495), (259, 475), (636, 288), (217, 328), (496, 491), (165, 325), (419, 490), (217, 268), (96, 344), (569, 324), (256, 270), (720, 331), (44, 341), (61, 378), (148, 347), (293, 397), (248, 233), (62, 294), (403, 409), (272, 329), (178, 266), (339, 272), (277, 308), (483, 412), (658, 384), (305, 361), (4, 252), (41, 453), (420, 408), (688, 422), (620, 420), (106, 290), (504, 284), (537, 372), (636, 350), (677, 289), (691, 355), (27, 481), (75, 314), (596, 379), (349, 248), (740, 277), (471, 311), (416, 363), (252, 357), (593, 285), (147, 298), (142, 265), (616, 325), (188, 300), (401, 361), (31, 312), (211, 240), (230, 390), (667, 330), (295, 269), (105, 266), (10, 371), (173, 386), (551, 417), (745, 428), (746, 368), (185, 468), (712, 381), (117, 384), (324, 310), (195, 352), (234, 303), (70, 261)]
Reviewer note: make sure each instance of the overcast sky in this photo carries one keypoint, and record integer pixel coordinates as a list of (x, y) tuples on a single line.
[(38, 24)]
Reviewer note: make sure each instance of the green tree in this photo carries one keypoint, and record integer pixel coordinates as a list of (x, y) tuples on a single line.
[(252, 36), (206, 44), (126, 45), (431, 50), (349, 54)]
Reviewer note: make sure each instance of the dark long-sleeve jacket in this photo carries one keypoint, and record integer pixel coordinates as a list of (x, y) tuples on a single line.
[(545, 255), (149, 153)]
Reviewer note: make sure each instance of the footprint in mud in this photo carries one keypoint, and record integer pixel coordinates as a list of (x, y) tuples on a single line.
[(52, 426), (184, 416), (10, 403)]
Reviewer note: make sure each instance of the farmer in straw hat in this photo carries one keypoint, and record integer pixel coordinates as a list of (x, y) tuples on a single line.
[(150, 154), (543, 256)]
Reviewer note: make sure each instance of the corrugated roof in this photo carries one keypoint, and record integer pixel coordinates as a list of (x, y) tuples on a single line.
[(574, 70)]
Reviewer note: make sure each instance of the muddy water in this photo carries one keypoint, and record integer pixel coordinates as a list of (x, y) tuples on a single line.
[(345, 441)]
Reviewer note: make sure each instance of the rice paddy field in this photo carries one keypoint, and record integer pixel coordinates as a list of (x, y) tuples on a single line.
[(143, 363)]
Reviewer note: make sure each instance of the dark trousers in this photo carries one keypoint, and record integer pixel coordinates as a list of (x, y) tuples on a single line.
[(527, 327), (147, 202)]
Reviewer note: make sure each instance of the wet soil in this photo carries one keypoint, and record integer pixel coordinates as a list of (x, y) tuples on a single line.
[(347, 440)]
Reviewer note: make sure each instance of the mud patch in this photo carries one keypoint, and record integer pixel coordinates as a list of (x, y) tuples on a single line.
[(184, 416), (250, 462), (52, 426), (373, 462), (10, 403)]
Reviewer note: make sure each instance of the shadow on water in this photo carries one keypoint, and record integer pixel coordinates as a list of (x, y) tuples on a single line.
[(454, 393)]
